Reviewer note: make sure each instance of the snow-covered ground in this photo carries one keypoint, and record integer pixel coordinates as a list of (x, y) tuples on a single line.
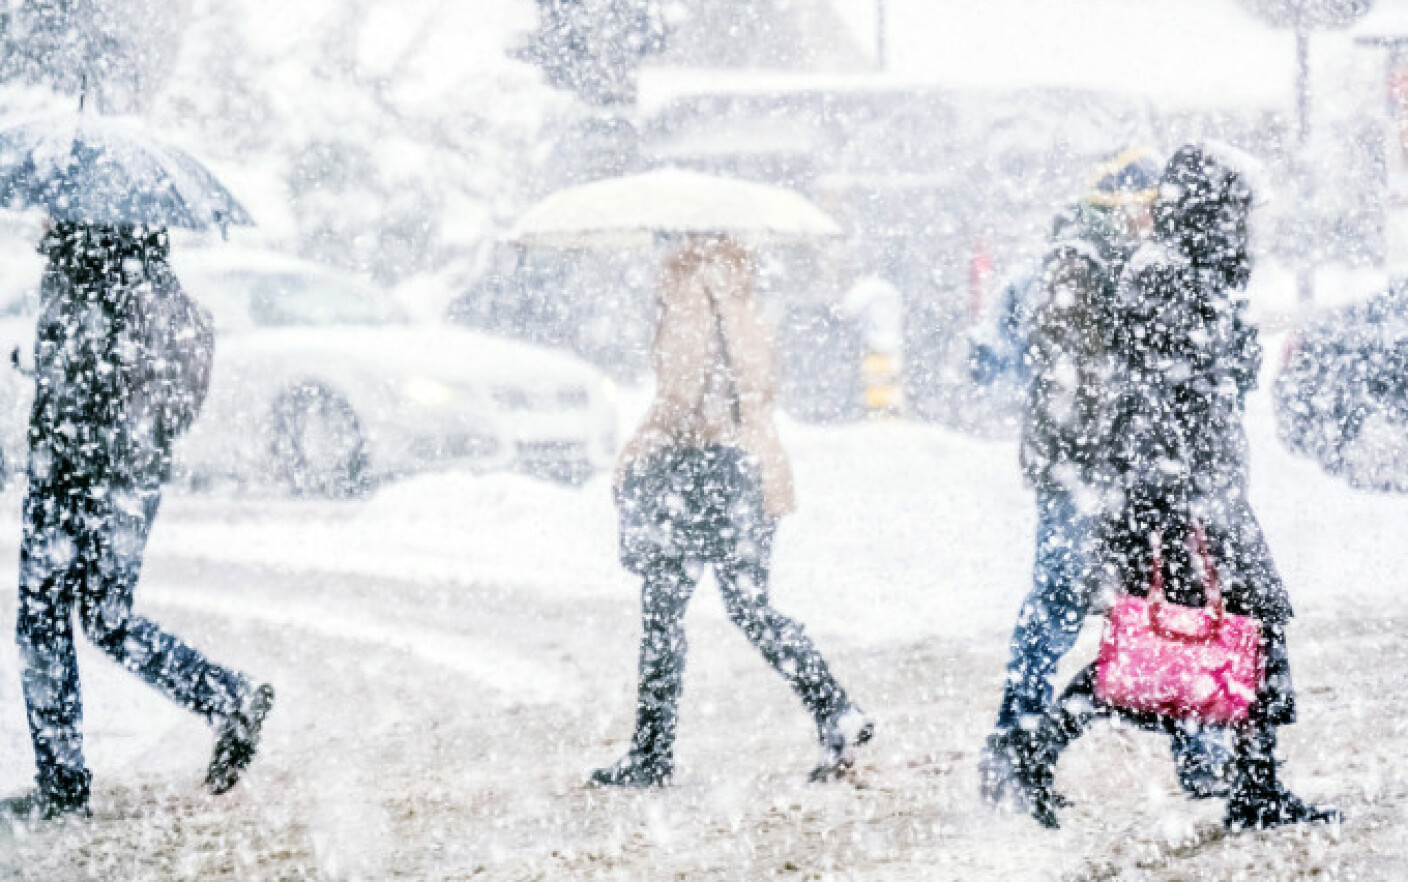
[(453, 654)]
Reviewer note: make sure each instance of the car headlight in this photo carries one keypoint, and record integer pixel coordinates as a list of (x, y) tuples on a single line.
[(428, 392)]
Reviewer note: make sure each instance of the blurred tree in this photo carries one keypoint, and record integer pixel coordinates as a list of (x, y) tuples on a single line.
[(388, 137), (594, 47), (118, 51)]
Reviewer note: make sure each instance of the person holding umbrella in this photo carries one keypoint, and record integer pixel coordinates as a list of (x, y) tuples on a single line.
[(122, 363), (705, 480)]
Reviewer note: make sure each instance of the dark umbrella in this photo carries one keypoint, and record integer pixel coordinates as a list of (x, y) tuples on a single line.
[(105, 170)]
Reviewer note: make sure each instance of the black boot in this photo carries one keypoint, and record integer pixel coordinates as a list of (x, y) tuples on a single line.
[(1258, 800), (1204, 765), (60, 795), (1033, 755), (840, 734), (651, 760), (997, 772), (40, 806), (636, 769), (237, 739)]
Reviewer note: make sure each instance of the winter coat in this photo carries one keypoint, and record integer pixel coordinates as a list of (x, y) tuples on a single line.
[(707, 293), (122, 363), (1067, 351), (1185, 357)]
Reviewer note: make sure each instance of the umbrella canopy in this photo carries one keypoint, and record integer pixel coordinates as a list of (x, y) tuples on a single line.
[(105, 170), (631, 210)]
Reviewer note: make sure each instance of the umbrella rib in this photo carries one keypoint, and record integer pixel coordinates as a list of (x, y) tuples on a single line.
[(99, 171)]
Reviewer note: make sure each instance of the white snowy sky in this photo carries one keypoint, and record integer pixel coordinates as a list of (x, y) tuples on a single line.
[(1189, 52)]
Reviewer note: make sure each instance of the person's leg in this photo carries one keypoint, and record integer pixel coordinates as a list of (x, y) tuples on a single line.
[(1052, 615), (234, 706), (784, 644), (1202, 758), (782, 641), (665, 595), (50, 569), (1032, 750), (178, 670), (1258, 800)]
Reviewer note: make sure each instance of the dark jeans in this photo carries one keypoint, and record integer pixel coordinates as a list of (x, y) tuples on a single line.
[(1052, 615), (743, 579), (82, 549)]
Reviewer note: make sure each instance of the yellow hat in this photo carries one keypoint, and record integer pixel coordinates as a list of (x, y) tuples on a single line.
[(1130, 177)]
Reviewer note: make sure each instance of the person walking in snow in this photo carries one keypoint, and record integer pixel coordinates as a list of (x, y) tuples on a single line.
[(1185, 359), (1067, 351), (122, 362), (705, 480)]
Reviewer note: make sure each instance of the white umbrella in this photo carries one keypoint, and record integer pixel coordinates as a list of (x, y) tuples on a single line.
[(629, 211)]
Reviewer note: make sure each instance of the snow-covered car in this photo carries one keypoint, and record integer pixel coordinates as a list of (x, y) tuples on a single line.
[(322, 384), (1342, 394)]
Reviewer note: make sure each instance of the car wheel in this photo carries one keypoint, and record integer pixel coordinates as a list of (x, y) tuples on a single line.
[(1374, 453), (317, 447)]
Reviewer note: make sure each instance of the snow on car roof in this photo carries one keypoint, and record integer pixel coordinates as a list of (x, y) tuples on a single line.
[(217, 259)]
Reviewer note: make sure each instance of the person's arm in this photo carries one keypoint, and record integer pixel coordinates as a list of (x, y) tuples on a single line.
[(1246, 352), (680, 364)]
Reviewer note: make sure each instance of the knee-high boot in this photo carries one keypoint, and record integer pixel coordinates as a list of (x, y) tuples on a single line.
[(1031, 753), (1259, 800)]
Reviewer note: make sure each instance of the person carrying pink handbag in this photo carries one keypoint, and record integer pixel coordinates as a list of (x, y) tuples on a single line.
[(1175, 466)]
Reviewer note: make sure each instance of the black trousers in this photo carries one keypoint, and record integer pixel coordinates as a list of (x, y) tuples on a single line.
[(82, 552), (669, 582)]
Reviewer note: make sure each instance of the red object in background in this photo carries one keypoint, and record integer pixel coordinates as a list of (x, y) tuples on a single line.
[(1289, 351), (1180, 662), (980, 267), (1398, 105)]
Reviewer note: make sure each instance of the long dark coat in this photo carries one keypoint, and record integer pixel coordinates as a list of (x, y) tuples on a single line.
[(1185, 357), (122, 361)]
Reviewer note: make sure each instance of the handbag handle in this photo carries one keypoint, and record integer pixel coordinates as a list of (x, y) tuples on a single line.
[(734, 403), (1212, 585)]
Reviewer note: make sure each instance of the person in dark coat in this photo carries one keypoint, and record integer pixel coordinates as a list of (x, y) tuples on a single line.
[(705, 480), (1067, 351), (1185, 359), (122, 363)]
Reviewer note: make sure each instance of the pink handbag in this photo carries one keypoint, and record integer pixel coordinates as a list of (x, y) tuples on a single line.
[(1181, 662)]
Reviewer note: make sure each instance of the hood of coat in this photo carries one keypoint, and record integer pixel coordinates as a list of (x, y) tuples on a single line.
[(1203, 211)]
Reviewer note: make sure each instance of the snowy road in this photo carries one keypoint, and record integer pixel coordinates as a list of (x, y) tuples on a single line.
[(453, 654)]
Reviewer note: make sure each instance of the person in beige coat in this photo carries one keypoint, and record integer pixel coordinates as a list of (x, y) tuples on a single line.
[(705, 480)]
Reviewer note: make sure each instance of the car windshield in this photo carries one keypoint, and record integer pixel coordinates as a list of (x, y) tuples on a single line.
[(244, 299)]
